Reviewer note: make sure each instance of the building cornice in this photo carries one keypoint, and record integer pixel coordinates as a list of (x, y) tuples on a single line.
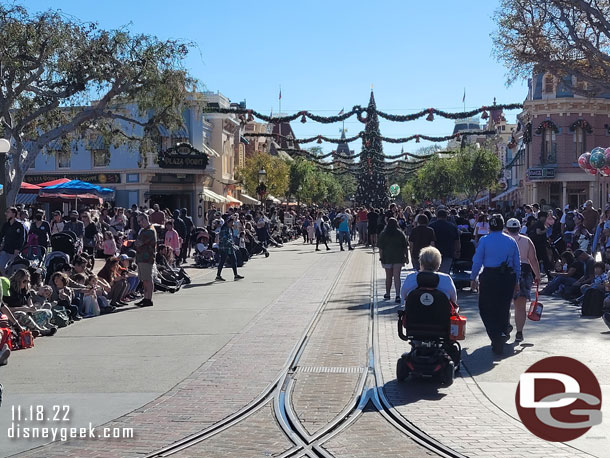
[(567, 106)]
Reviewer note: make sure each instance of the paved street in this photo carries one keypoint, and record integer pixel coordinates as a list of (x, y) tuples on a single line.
[(279, 363)]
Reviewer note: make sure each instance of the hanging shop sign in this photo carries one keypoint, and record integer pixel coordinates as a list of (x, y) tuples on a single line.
[(540, 173), (183, 156), (95, 178)]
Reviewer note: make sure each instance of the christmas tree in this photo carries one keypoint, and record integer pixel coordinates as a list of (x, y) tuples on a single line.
[(372, 189)]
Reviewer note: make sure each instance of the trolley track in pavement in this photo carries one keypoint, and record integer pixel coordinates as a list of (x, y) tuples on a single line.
[(369, 392)]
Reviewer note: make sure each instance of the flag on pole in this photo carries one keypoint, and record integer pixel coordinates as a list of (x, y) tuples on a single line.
[(464, 96), (341, 112), (280, 94)]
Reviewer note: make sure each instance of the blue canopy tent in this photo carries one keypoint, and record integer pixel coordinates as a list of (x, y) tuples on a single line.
[(75, 187)]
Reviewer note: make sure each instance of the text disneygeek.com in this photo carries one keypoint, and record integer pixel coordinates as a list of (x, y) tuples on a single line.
[(17, 431)]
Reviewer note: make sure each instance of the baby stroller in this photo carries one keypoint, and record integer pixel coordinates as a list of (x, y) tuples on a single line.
[(54, 261), (426, 320), (203, 256), (18, 262), (462, 266), (66, 242)]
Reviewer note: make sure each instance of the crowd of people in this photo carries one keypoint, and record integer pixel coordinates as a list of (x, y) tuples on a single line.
[(48, 267), (47, 284)]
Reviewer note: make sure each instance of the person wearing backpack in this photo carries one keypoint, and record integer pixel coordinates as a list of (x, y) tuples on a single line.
[(568, 224)]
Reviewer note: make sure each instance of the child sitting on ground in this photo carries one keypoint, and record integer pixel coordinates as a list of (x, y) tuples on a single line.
[(90, 305)]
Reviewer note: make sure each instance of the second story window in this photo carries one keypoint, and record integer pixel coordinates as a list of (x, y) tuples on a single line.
[(63, 160), (548, 146), (549, 84), (580, 139), (101, 157)]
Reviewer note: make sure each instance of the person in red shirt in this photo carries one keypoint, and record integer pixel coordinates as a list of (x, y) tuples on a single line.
[(362, 226)]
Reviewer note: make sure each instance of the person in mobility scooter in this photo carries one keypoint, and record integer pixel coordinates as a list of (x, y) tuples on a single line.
[(426, 320)]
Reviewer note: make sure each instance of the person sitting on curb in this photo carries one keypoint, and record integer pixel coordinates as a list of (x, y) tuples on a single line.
[(22, 307)]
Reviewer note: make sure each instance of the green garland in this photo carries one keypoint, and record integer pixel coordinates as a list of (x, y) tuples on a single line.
[(301, 152), (359, 111), (417, 137)]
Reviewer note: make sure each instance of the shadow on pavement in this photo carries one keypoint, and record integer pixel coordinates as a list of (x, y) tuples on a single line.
[(412, 390)]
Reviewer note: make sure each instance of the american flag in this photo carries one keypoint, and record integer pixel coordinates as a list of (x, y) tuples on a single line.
[(464, 96), (280, 94)]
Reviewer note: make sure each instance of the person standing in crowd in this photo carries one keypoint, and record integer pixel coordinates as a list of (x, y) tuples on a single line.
[(322, 231), (538, 235), (119, 220), (57, 223), (75, 225), (530, 272), (186, 240), (393, 254), (481, 229), (447, 240), (41, 230), (91, 233), (590, 216), (363, 226), (146, 247), (157, 216), (372, 217), (498, 255), (12, 238), (226, 249), (421, 236), (343, 229)]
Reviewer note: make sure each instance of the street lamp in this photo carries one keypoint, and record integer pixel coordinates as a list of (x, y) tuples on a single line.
[(262, 176), (261, 189)]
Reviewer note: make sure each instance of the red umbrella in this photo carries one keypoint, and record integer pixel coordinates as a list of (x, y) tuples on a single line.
[(54, 182), (29, 188)]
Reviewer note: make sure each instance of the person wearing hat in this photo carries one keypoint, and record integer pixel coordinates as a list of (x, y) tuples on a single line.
[(75, 225), (498, 255), (530, 272)]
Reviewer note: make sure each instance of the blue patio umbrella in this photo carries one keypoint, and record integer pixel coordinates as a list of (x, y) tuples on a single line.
[(74, 187)]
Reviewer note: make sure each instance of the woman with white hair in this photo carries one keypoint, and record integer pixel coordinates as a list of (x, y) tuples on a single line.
[(430, 261)]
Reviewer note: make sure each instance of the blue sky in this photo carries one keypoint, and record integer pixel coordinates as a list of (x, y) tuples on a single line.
[(326, 54)]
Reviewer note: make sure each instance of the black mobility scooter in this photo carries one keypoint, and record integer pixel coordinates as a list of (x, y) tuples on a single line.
[(425, 323)]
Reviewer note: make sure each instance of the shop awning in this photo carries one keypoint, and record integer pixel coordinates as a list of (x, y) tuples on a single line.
[(504, 194), (233, 200), (210, 151), (25, 198), (211, 196), (275, 200), (68, 198), (250, 200), (482, 199)]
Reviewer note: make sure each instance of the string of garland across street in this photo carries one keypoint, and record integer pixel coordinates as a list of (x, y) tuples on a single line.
[(372, 168)]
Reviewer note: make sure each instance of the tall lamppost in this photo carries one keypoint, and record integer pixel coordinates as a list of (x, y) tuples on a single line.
[(5, 147), (261, 189)]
